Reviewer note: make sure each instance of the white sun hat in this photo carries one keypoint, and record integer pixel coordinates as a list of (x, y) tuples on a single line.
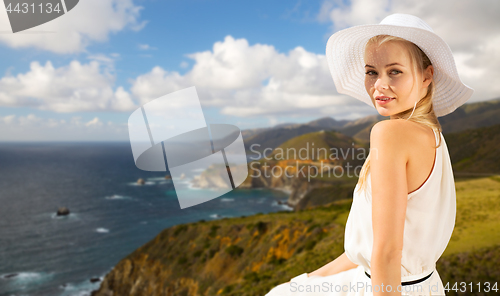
[(345, 50)]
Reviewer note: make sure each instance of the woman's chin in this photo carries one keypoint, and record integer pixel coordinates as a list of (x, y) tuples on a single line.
[(384, 112)]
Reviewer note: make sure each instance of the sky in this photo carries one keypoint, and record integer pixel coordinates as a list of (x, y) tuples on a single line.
[(254, 63)]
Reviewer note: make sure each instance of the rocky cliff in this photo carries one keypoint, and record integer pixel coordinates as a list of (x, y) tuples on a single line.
[(304, 190), (238, 256)]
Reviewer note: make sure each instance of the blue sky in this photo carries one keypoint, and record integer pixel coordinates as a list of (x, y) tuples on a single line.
[(249, 61)]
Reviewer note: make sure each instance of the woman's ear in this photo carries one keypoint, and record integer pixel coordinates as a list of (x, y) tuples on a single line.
[(428, 74)]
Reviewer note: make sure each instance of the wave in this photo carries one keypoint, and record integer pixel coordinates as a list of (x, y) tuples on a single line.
[(71, 216), (102, 230), (282, 205), (191, 186), (224, 199), (116, 196), (82, 288), (185, 181), (21, 276), (145, 183), (155, 179), (22, 279)]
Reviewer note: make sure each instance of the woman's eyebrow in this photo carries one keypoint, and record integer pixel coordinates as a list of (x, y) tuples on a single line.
[(393, 64), (388, 65)]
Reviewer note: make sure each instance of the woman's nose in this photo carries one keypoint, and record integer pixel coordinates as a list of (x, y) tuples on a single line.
[(381, 84)]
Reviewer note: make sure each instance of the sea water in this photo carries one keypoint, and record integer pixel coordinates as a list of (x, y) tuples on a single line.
[(110, 214)]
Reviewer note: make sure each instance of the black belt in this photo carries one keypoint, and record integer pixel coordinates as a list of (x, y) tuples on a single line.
[(410, 282)]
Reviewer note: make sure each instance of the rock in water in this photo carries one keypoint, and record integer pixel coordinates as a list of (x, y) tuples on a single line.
[(95, 279), (8, 276), (62, 211), (141, 181), (168, 177)]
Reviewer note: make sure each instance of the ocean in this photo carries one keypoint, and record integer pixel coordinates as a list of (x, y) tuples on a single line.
[(110, 214)]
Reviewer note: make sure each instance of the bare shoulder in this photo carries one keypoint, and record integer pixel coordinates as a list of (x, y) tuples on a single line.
[(397, 130), (393, 136), (405, 135)]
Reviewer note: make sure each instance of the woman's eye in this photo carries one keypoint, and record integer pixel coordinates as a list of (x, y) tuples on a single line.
[(395, 72), (370, 73)]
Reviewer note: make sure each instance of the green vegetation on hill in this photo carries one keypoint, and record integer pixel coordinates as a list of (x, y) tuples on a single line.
[(325, 195), (472, 115), (479, 266), (250, 255), (475, 150), (322, 144), (272, 138), (360, 128)]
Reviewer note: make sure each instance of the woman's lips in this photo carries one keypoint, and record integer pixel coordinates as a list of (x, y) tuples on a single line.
[(383, 102)]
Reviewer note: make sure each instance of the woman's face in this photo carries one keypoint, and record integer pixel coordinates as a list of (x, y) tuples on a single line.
[(389, 76)]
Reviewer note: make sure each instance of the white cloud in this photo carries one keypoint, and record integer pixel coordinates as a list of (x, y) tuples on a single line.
[(359, 12), (9, 119), (245, 80), (241, 79), (33, 128), (71, 88), (89, 21), (23, 121), (250, 80), (146, 47), (107, 60), (156, 83), (94, 122)]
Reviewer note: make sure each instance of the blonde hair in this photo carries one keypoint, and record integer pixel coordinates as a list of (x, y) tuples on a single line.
[(424, 112)]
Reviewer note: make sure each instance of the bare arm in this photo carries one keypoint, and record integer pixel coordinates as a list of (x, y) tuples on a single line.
[(389, 200)]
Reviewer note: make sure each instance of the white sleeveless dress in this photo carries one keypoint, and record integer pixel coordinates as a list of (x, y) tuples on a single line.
[(429, 223)]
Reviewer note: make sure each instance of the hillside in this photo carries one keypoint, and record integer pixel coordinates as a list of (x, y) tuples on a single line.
[(468, 116), (323, 122), (316, 168), (329, 144), (360, 128), (275, 136), (250, 255), (471, 151), (475, 150), (472, 115), (272, 138)]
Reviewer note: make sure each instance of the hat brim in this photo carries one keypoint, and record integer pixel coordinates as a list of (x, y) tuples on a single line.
[(345, 55)]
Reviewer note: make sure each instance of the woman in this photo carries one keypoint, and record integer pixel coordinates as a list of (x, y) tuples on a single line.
[(404, 205)]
